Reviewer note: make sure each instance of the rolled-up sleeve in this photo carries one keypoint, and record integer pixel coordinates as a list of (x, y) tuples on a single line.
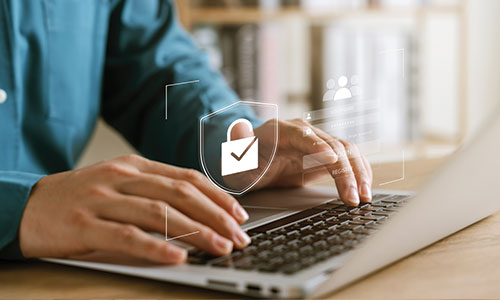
[(148, 49), (15, 188)]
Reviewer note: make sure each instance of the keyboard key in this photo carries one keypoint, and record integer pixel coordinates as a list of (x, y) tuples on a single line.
[(336, 250), (378, 197), (372, 217), (320, 245), (307, 261), (279, 248), (349, 226), (395, 199), (360, 222), (306, 250), (322, 255), (291, 268), (372, 226), (250, 249), (196, 261), (292, 255), (226, 263), (286, 220), (271, 268), (333, 238), (346, 217), (362, 230), (382, 213), (327, 206), (279, 238)]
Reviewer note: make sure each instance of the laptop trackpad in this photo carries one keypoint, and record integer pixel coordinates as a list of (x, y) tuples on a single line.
[(257, 214), (265, 206)]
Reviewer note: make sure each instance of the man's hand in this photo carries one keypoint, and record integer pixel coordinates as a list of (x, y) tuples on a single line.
[(111, 206), (343, 161)]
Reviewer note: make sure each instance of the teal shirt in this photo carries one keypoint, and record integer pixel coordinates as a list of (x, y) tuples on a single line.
[(64, 63)]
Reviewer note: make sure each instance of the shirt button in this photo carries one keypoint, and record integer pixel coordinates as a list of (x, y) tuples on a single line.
[(3, 96)]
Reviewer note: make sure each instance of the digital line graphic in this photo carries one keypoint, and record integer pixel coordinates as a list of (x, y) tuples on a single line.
[(166, 93), (399, 179), (166, 229)]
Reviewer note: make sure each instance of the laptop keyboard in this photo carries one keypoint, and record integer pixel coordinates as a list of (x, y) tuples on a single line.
[(304, 239)]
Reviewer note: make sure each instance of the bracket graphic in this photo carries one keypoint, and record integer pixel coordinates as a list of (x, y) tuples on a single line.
[(166, 93), (175, 237), (399, 179)]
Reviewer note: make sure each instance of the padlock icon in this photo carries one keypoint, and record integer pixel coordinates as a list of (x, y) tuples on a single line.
[(239, 155)]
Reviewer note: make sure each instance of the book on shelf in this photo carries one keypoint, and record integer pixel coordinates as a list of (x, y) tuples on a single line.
[(249, 57)]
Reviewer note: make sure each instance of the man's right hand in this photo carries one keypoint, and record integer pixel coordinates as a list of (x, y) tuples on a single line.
[(111, 206)]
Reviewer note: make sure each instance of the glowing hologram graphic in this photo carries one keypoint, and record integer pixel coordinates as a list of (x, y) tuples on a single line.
[(175, 237), (343, 92), (166, 93), (265, 167), (247, 149), (399, 179)]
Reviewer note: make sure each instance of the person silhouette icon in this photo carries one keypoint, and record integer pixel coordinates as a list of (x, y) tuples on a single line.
[(355, 88), (342, 92), (329, 95)]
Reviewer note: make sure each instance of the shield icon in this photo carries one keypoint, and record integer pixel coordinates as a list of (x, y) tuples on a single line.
[(235, 152)]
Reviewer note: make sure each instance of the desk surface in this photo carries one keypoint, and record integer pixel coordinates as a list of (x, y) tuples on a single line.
[(464, 265)]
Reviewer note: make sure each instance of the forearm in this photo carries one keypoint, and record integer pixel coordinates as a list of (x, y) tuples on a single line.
[(146, 53)]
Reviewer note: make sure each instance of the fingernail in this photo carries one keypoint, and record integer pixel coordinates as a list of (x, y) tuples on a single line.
[(177, 254), (242, 239), (223, 245), (240, 213), (353, 197), (366, 192)]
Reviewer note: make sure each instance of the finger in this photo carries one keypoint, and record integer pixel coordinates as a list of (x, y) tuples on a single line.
[(130, 240), (150, 216), (301, 136), (186, 198), (360, 173), (205, 239), (342, 171), (224, 200)]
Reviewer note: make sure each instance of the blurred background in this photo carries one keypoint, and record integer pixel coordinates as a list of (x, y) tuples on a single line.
[(434, 63)]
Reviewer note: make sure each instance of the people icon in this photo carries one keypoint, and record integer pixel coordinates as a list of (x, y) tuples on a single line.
[(343, 92), (330, 94), (355, 88)]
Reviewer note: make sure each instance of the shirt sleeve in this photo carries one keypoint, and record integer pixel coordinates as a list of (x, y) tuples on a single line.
[(148, 49), (15, 188)]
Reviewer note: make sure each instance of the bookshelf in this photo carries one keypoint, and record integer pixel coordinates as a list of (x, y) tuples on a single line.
[(193, 15)]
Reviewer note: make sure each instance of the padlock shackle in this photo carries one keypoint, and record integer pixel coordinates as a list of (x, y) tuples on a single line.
[(230, 128)]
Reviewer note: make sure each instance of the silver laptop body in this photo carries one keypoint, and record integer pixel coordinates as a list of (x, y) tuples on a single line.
[(461, 191)]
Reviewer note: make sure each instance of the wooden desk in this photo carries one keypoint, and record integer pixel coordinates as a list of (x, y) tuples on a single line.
[(465, 265)]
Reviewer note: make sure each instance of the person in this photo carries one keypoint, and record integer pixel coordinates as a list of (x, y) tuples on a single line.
[(65, 63)]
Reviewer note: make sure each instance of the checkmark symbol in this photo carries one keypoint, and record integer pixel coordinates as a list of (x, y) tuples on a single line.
[(238, 158)]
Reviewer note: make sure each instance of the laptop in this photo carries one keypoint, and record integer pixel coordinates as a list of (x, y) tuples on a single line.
[(306, 243)]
